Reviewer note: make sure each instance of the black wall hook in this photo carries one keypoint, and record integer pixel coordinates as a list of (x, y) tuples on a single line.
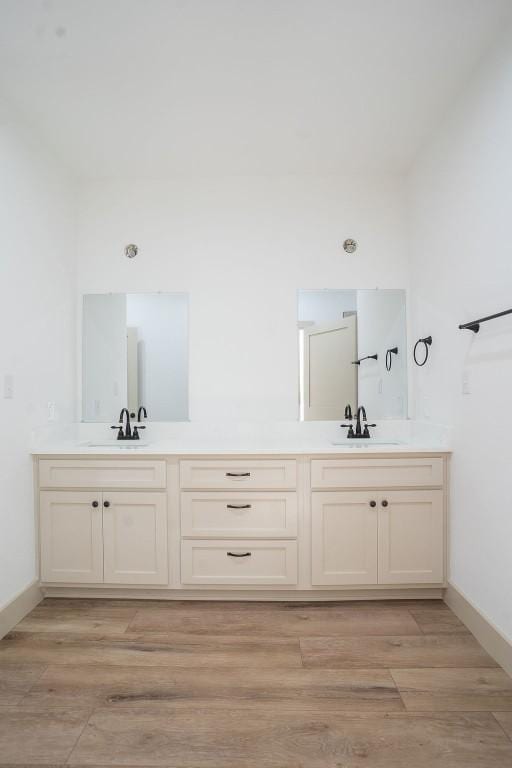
[(389, 357), (368, 357), (427, 342)]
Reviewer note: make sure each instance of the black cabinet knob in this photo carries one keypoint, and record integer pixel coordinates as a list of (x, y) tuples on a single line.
[(373, 503), (106, 503), (384, 503), (95, 504)]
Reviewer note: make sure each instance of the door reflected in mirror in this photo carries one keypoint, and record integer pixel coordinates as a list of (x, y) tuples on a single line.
[(134, 354), (352, 351)]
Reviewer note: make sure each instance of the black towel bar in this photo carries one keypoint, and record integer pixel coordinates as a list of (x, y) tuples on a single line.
[(474, 325)]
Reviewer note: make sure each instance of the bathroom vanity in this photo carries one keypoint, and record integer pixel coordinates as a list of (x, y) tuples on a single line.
[(317, 525), (297, 510)]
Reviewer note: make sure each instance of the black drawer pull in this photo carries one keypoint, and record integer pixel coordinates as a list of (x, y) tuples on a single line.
[(238, 474), (373, 503), (95, 504), (384, 503), (106, 504), (239, 554), (239, 506)]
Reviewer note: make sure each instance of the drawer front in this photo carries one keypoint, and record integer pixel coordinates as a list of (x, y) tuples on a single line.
[(376, 473), (239, 561), (258, 473), (101, 473), (248, 514)]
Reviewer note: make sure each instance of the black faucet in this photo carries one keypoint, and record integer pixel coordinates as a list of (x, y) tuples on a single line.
[(361, 412), (126, 433), (360, 431), (128, 428)]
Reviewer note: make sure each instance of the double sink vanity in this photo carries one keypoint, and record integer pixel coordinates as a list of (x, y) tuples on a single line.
[(312, 508), (164, 521)]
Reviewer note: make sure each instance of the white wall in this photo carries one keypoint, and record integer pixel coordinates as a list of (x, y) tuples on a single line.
[(461, 193), (37, 310), (242, 247)]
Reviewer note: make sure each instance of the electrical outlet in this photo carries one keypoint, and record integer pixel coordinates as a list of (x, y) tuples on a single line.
[(466, 383), (51, 411)]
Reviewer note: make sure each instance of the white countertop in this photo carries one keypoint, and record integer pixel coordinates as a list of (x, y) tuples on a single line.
[(279, 438)]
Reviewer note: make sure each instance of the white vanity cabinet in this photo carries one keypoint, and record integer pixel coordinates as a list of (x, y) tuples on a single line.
[(304, 526), (381, 535), (103, 535)]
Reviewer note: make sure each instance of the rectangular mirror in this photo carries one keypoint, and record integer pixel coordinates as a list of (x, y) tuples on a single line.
[(135, 353), (352, 350)]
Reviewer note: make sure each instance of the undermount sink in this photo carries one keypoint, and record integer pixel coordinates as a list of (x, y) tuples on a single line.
[(364, 442), (127, 444)]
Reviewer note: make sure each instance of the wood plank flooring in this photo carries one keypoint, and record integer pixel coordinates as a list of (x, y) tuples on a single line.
[(250, 685)]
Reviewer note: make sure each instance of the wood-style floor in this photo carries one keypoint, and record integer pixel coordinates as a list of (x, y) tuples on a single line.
[(250, 685)]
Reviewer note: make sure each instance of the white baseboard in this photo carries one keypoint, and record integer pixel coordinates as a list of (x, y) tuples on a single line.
[(494, 642), (17, 608)]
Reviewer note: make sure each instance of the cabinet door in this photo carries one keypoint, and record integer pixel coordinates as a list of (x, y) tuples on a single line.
[(411, 537), (71, 536), (344, 538), (135, 537)]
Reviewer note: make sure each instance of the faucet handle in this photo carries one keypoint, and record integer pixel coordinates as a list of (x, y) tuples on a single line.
[(120, 433), (135, 435)]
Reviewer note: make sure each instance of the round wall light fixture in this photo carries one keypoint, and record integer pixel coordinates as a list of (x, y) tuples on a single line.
[(349, 246), (131, 251)]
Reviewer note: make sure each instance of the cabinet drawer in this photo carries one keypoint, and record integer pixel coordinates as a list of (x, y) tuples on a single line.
[(101, 473), (248, 514), (239, 562), (246, 473), (376, 473)]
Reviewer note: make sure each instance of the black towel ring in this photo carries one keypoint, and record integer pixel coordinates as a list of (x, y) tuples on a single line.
[(389, 357), (427, 342)]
